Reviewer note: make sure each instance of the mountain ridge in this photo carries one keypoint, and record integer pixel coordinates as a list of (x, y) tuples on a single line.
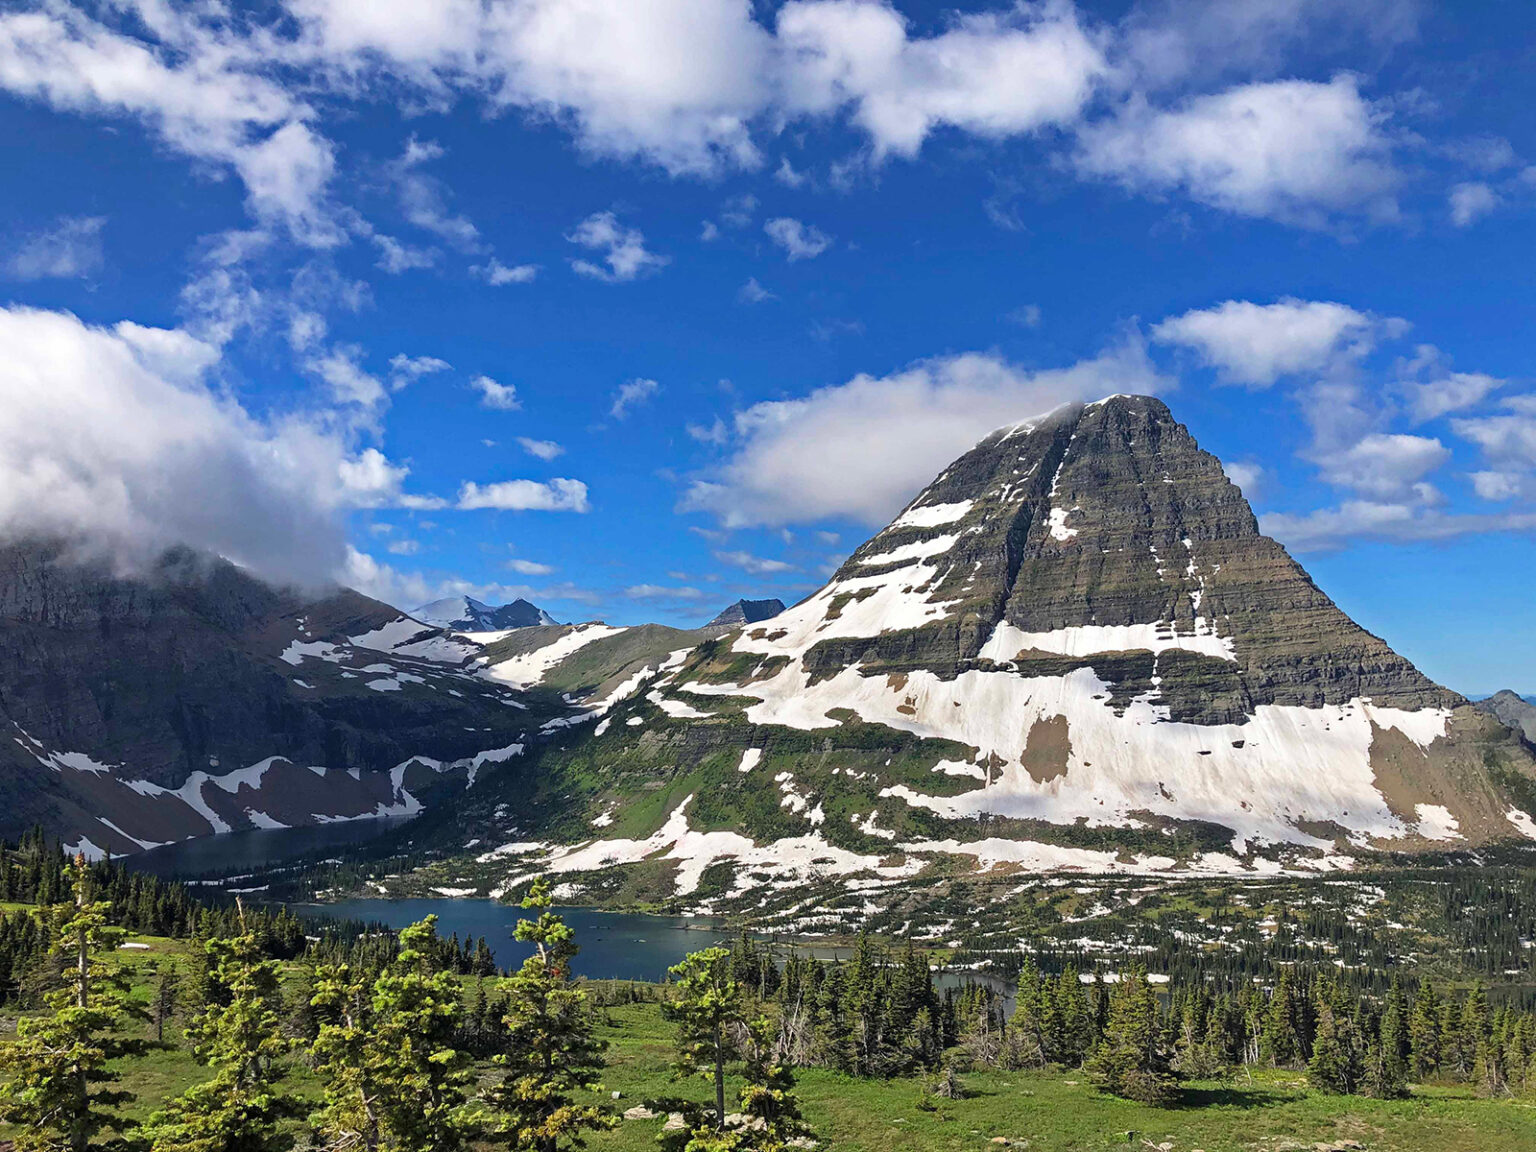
[(1074, 649)]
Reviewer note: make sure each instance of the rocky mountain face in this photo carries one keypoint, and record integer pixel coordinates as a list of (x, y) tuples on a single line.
[(747, 612), (466, 614), (1074, 650), (196, 699), (1513, 710)]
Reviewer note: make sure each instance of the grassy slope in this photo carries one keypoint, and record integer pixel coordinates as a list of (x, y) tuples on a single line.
[(1060, 1111)]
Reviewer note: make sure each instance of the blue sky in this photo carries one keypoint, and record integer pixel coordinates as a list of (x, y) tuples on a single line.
[(633, 307)]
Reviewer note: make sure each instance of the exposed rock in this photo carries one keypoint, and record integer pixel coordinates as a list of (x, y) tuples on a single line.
[(747, 612), (466, 614), (1513, 711)]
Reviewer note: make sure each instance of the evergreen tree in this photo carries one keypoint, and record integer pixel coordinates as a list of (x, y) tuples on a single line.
[(57, 1092), (241, 1107), (550, 1050), (1337, 1063), (393, 1080), (1424, 1032), (167, 989), (709, 1009), (1130, 1060)]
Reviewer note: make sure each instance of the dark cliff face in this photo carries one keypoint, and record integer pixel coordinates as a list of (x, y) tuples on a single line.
[(181, 670), (747, 612), (1111, 515)]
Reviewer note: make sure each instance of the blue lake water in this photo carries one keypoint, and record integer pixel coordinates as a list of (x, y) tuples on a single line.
[(614, 945)]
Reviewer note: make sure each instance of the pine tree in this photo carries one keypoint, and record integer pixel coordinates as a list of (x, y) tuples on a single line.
[(393, 1080), (1130, 1060), (241, 1108), (709, 1009), (57, 1090), (550, 1050), (1424, 1032), (163, 1008), (1337, 1063)]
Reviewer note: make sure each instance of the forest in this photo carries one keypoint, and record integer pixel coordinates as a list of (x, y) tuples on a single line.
[(298, 1035)]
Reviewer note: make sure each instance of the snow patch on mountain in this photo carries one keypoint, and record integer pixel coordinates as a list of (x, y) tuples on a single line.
[(931, 515), (529, 668), (1008, 641)]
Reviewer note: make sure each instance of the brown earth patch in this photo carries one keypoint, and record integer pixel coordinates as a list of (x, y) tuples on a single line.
[(1047, 750)]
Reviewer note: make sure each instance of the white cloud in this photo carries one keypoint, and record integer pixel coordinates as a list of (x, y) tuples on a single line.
[(1508, 439), (405, 369), (1246, 475), (630, 393), (623, 249), (1298, 151), (349, 383), (662, 592), (1470, 202), (715, 433), (799, 241), (757, 565), (753, 293), (991, 74), (118, 439), (1433, 398), (502, 397), (403, 547), (543, 449), (68, 250), (497, 274), (1329, 529), (1025, 316), (1256, 344), (1385, 465), (559, 495), (423, 200), (200, 89), (530, 567), (1496, 485), (862, 449), (395, 257)]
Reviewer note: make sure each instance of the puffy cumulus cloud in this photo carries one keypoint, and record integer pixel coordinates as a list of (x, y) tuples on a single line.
[(1256, 344), (1246, 475), (199, 86), (993, 74), (757, 565), (799, 241), (862, 448), (542, 449), (118, 439), (70, 249), (1470, 202), (672, 81), (1446, 392), (1298, 151), (1508, 441), (558, 495), (502, 397), (623, 249), (423, 200), (1386, 464), (498, 275)]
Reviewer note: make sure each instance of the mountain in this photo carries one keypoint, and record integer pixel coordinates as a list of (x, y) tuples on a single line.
[(747, 612), (1516, 711), (196, 699), (1073, 650), (466, 614)]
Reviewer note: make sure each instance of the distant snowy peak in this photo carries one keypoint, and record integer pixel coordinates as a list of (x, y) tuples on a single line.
[(466, 614), (747, 612)]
